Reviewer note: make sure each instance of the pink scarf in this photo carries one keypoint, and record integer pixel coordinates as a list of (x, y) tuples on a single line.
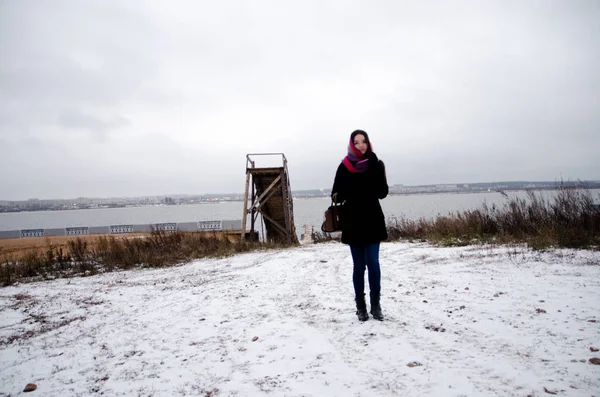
[(355, 161)]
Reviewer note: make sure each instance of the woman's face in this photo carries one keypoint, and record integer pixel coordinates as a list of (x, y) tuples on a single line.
[(360, 142)]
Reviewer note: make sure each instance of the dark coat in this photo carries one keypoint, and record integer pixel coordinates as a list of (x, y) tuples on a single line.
[(363, 221)]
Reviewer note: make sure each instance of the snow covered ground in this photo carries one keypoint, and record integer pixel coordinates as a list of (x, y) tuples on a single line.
[(469, 321)]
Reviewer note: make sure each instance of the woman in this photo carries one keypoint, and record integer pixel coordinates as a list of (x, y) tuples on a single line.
[(360, 182)]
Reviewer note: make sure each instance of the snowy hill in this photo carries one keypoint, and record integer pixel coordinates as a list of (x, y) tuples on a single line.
[(470, 321)]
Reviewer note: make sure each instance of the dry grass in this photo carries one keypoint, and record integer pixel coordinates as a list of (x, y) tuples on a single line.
[(569, 219), (17, 246), (95, 254), (323, 237)]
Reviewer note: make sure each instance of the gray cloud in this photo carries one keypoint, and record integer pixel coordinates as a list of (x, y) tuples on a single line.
[(112, 99), (100, 129)]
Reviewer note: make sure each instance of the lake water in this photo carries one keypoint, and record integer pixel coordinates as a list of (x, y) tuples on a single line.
[(306, 211)]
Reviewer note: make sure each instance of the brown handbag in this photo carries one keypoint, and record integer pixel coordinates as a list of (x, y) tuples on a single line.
[(333, 217)]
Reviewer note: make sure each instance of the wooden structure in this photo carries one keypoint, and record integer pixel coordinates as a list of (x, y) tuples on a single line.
[(271, 197)]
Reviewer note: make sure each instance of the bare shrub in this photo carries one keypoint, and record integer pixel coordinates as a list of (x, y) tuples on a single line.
[(107, 253), (78, 249), (568, 219)]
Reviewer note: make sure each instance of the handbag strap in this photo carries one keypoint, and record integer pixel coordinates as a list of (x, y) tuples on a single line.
[(335, 202)]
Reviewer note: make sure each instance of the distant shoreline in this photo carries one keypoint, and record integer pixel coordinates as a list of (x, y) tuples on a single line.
[(300, 197)]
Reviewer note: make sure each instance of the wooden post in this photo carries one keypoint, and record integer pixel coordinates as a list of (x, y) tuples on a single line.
[(252, 218), (286, 215), (243, 236)]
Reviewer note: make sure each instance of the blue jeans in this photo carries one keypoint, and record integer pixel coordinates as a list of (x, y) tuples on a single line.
[(366, 256)]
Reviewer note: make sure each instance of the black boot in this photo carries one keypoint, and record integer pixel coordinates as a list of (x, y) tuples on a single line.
[(376, 307), (361, 308)]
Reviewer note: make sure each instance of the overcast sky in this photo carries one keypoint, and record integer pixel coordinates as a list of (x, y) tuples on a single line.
[(120, 98)]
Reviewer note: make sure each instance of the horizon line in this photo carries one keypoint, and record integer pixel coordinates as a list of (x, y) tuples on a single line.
[(299, 190)]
